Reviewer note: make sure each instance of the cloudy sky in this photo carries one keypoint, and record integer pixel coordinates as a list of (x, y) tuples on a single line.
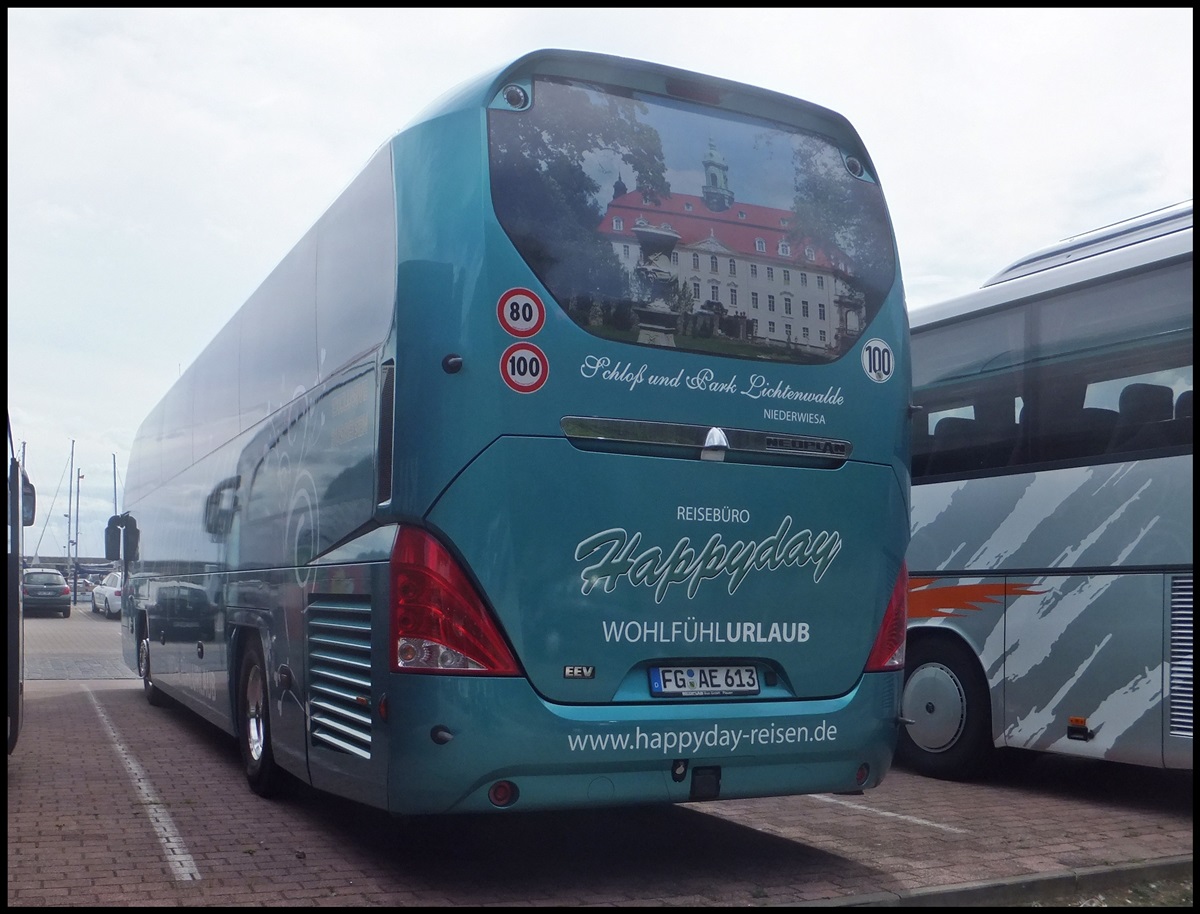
[(160, 163)]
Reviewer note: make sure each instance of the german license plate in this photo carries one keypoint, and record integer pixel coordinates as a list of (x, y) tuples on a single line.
[(697, 681)]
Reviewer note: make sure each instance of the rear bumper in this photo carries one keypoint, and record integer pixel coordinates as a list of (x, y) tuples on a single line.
[(575, 756), (56, 605)]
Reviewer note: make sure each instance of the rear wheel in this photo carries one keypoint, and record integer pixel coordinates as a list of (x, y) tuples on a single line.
[(67, 611), (108, 613), (946, 697), (254, 723), (153, 695)]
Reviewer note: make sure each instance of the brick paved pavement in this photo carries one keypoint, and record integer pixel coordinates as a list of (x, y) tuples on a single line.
[(112, 802)]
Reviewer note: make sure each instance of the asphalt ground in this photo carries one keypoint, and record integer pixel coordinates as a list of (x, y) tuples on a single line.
[(112, 802)]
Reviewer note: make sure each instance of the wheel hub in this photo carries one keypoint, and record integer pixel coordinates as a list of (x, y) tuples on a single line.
[(936, 702)]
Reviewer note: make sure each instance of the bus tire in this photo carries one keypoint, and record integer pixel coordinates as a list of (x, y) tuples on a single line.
[(156, 698), (254, 722), (947, 699)]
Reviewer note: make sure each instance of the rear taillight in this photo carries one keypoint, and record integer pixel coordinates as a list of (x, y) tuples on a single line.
[(117, 592), (65, 589), (439, 623), (888, 651)]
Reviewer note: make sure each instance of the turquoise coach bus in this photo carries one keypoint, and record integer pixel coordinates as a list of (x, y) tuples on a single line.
[(562, 463)]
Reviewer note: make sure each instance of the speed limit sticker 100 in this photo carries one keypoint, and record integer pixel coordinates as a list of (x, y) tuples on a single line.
[(877, 360), (524, 367)]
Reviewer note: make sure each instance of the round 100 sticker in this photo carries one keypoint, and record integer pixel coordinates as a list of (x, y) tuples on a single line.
[(521, 312), (877, 360), (524, 367)]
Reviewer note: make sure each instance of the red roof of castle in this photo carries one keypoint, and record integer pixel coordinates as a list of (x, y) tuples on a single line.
[(734, 231)]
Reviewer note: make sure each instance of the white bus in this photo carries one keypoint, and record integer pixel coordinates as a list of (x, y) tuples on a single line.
[(1050, 593)]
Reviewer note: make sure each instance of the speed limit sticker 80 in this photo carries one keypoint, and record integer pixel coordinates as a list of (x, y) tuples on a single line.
[(524, 367), (521, 312)]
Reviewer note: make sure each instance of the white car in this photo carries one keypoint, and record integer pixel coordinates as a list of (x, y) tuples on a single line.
[(106, 596)]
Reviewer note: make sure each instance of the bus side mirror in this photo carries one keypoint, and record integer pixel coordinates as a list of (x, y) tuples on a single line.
[(133, 540), (28, 501), (112, 540), (122, 529), (219, 508)]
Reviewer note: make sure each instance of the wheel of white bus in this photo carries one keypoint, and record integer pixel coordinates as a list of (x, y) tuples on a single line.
[(153, 695), (946, 698), (254, 722)]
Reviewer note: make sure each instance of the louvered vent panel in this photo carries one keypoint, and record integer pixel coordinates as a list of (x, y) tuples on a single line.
[(339, 676), (1181, 656)]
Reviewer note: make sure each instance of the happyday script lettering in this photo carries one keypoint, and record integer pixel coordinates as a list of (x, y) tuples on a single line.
[(655, 567)]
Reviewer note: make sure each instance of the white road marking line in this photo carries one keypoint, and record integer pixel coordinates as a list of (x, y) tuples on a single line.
[(174, 849), (893, 815)]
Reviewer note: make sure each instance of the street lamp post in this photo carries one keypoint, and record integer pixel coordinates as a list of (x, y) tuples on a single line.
[(75, 585), (68, 514)]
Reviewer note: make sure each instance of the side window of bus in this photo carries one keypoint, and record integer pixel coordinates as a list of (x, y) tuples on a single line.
[(1182, 424), (1154, 410), (1107, 365), (1123, 411), (1067, 418), (1056, 423), (967, 384), (973, 432), (1080, 376)]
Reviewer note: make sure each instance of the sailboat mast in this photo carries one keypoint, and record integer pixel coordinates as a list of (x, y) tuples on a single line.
[(70, 479)]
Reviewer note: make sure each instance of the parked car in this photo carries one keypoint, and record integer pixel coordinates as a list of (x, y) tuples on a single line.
[(106, 596), (45, 588)]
